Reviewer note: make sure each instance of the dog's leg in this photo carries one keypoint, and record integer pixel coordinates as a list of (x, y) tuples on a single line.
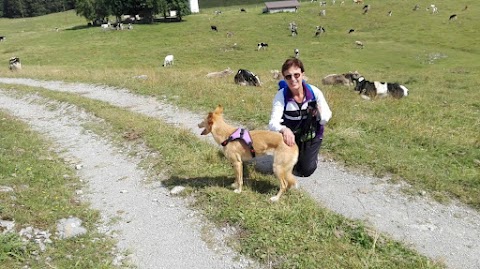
[(238, 184), (291, 181), (279, 172)]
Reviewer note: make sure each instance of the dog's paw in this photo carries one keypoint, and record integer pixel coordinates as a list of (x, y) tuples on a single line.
[(274, 199), (237, 191), (234, 185)]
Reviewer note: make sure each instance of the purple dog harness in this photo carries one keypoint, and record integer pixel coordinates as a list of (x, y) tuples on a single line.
[(244, 135)]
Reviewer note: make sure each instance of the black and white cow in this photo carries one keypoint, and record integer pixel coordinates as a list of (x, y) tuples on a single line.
[(319, 30), (369, 90), (262, 45), (293, 28), (14, 64), (246, 78)]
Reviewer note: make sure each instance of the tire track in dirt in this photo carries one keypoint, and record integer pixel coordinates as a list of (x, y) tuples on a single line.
[(449, 233)]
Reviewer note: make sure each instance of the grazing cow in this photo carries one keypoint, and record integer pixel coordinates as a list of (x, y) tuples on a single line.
[(323, 13), (359, 44), (366, 8), (262, 45), (229, 34), (118, 26), (2, 38), (453, 17), (351, 31), (416, 7), (297, 53), (168, 60), (434, 9), (246, 78), (220, 74), (319, 30), (105, 26), (243, 10), (369, 90), (323, 3), (218, 12), (214, 28), (358, 1), (14, 64), (346, 79), (293, 28)]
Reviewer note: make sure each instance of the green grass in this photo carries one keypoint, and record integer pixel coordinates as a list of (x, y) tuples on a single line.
[(429, 139), (294, 233), (44, 191)]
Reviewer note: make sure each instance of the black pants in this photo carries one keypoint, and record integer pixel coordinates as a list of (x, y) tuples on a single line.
[(307, 157)]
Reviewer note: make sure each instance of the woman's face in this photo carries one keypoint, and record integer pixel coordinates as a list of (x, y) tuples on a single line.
[(294, 76)]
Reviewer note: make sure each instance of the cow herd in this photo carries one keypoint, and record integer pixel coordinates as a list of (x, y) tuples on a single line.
[(244, 77)]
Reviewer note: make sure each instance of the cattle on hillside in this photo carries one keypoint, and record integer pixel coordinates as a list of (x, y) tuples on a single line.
[(346, 79), (369, 90), (246, 78), (14, 64)]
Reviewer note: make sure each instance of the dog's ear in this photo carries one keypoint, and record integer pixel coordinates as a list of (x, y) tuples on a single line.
[(219, 109)]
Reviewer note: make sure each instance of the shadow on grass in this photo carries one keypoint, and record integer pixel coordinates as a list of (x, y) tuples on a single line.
[(262, 186), (79, 27)]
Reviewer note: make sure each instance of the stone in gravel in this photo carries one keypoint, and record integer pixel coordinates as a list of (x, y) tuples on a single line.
[(6, 189), (177, 190), (6, 226), (70, 227)]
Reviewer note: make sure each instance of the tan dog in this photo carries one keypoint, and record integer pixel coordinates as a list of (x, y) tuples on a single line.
[(264, 142)]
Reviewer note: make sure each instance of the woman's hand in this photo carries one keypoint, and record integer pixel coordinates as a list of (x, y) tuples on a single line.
[(288, 136)]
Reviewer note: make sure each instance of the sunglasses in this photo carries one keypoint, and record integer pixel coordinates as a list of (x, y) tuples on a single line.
[(289, 77)]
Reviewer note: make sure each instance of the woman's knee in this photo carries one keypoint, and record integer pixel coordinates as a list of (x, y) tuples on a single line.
[(305, 170), (308, 171)]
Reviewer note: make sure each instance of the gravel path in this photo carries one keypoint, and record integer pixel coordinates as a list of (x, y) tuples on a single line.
[(450, 233)]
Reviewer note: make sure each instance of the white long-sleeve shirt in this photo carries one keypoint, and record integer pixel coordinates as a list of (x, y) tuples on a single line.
[(279, 108)]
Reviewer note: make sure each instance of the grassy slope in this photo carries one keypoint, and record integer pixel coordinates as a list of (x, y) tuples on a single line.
[(430, 138)]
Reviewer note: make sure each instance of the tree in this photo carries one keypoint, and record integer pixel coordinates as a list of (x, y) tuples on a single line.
[(13, 9), (34, 8), (181, 6), (86, 8), (117, 8), (100, 9)]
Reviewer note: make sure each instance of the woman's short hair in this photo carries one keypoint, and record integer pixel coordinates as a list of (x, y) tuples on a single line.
[(292, 62)]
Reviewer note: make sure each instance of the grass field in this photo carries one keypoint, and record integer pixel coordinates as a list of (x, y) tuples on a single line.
[(429, 139)]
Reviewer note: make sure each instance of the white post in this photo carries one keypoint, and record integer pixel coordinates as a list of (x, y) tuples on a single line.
[(194, 6)]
